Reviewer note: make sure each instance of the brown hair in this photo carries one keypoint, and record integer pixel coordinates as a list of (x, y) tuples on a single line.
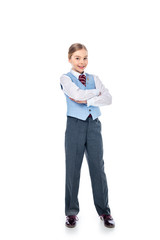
[(75, 47)]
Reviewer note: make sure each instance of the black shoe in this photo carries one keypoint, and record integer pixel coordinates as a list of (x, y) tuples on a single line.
[(108, 221), (71, 221)]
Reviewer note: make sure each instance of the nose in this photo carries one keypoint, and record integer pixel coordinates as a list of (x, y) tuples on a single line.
[(81, 60)]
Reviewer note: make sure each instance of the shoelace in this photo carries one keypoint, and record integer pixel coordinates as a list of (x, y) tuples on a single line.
[(106, 216), (72, 218)]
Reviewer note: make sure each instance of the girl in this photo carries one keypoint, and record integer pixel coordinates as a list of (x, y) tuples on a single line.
[(84, 93)]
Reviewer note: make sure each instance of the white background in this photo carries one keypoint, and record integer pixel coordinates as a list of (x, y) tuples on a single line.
[(123, 40)]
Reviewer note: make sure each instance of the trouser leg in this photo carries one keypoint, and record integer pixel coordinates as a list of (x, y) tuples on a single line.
[(94, 155), (74, 149)]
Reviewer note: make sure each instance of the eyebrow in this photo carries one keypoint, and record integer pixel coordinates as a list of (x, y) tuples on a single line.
[(80, 56)]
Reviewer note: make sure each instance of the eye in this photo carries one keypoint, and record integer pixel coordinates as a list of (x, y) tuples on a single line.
[(85, 58), (77, 58)]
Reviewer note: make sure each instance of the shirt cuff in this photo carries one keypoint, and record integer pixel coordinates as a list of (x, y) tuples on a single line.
[(97, 92), (90, 102)]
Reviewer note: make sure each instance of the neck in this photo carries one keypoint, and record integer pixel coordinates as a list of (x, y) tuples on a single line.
[(77, 71)]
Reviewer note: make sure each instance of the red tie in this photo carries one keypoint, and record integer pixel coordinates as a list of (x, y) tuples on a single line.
[(82, 79)]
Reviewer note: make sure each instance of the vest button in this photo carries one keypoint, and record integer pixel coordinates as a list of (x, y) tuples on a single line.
[(90, 110)]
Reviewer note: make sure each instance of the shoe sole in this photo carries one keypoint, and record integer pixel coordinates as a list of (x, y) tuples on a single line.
[(70, 226), (109, 226)]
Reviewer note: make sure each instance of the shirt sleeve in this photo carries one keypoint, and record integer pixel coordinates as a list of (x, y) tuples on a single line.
[(104, 99), (71, 90)]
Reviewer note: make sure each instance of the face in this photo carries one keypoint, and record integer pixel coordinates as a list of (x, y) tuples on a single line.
[(79, 60)]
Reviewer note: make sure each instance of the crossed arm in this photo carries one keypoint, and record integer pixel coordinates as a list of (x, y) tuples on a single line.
[(83, 101), (92, 97)]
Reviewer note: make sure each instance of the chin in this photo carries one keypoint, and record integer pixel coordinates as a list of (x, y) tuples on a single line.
[(80, 70)]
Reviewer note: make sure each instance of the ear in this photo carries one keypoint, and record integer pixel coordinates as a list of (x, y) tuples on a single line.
[(69, 60)]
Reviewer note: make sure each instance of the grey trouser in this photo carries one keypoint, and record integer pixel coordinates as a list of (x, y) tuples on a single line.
[(84, 137)]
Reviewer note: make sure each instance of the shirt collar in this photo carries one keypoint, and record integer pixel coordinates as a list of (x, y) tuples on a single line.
[(76, 74)]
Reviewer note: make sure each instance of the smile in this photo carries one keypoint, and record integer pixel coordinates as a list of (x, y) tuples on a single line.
[(81, 66)]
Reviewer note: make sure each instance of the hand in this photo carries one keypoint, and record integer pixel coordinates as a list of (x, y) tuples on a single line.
[(84, 102)]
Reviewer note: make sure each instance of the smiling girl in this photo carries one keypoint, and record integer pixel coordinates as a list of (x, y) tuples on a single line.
[(84, 93)]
